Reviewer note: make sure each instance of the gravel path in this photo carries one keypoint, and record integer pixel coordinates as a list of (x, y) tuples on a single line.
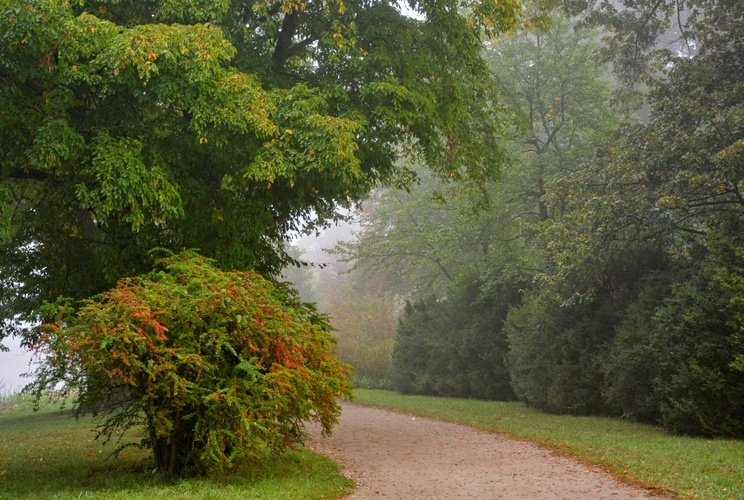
[(394, 455)]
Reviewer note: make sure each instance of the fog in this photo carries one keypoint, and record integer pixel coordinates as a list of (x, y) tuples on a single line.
[(12, 364)]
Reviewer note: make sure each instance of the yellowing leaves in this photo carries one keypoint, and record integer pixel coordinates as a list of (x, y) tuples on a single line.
[(240, 322), (196, 52), (235, 103), (496, 16), (293, 6)]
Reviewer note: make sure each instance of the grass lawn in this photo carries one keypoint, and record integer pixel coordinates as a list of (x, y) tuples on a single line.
[(48, 454), (680, 466)]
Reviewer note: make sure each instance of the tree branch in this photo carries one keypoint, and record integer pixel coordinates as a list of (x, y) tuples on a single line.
[(283, 48), (28, 174)]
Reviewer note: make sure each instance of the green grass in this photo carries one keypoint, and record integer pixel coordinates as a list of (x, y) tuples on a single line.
[(681, 466), (49, 455)]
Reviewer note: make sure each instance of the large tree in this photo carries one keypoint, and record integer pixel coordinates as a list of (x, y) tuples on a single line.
[(127, 125)]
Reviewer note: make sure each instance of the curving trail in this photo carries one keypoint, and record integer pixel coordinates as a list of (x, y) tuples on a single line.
[(394, 455)]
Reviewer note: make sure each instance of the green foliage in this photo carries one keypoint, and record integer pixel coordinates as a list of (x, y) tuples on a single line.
[(627, 242), (557, 349), (217, 366), (642, 36), (454, 346), (440, 233), (671, 189), (425, 240), (220, 126), (688, 342), (551, 77), (632, 369)]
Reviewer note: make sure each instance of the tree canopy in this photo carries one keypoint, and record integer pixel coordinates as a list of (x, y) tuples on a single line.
[(223, 126)]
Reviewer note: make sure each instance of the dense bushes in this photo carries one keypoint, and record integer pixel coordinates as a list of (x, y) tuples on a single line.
[(699, 334), (655, 343), (454, 346), (632, 367), (666, 354), (558, 347), (673, 359), (554, 354)]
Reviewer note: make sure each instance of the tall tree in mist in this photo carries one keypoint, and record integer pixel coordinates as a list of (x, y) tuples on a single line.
[(441, 233)]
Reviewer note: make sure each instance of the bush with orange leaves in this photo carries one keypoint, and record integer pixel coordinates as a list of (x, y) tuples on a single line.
[(214, 367)]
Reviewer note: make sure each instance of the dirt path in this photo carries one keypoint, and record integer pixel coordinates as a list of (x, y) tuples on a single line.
[(394, 455)]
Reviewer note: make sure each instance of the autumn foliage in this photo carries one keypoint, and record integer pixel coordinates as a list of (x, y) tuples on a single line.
[(214, 367)]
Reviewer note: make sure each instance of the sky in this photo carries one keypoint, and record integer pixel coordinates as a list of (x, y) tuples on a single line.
[(12, 365)]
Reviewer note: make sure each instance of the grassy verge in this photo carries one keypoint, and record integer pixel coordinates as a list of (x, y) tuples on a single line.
[(681, 466), (49, 455)]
